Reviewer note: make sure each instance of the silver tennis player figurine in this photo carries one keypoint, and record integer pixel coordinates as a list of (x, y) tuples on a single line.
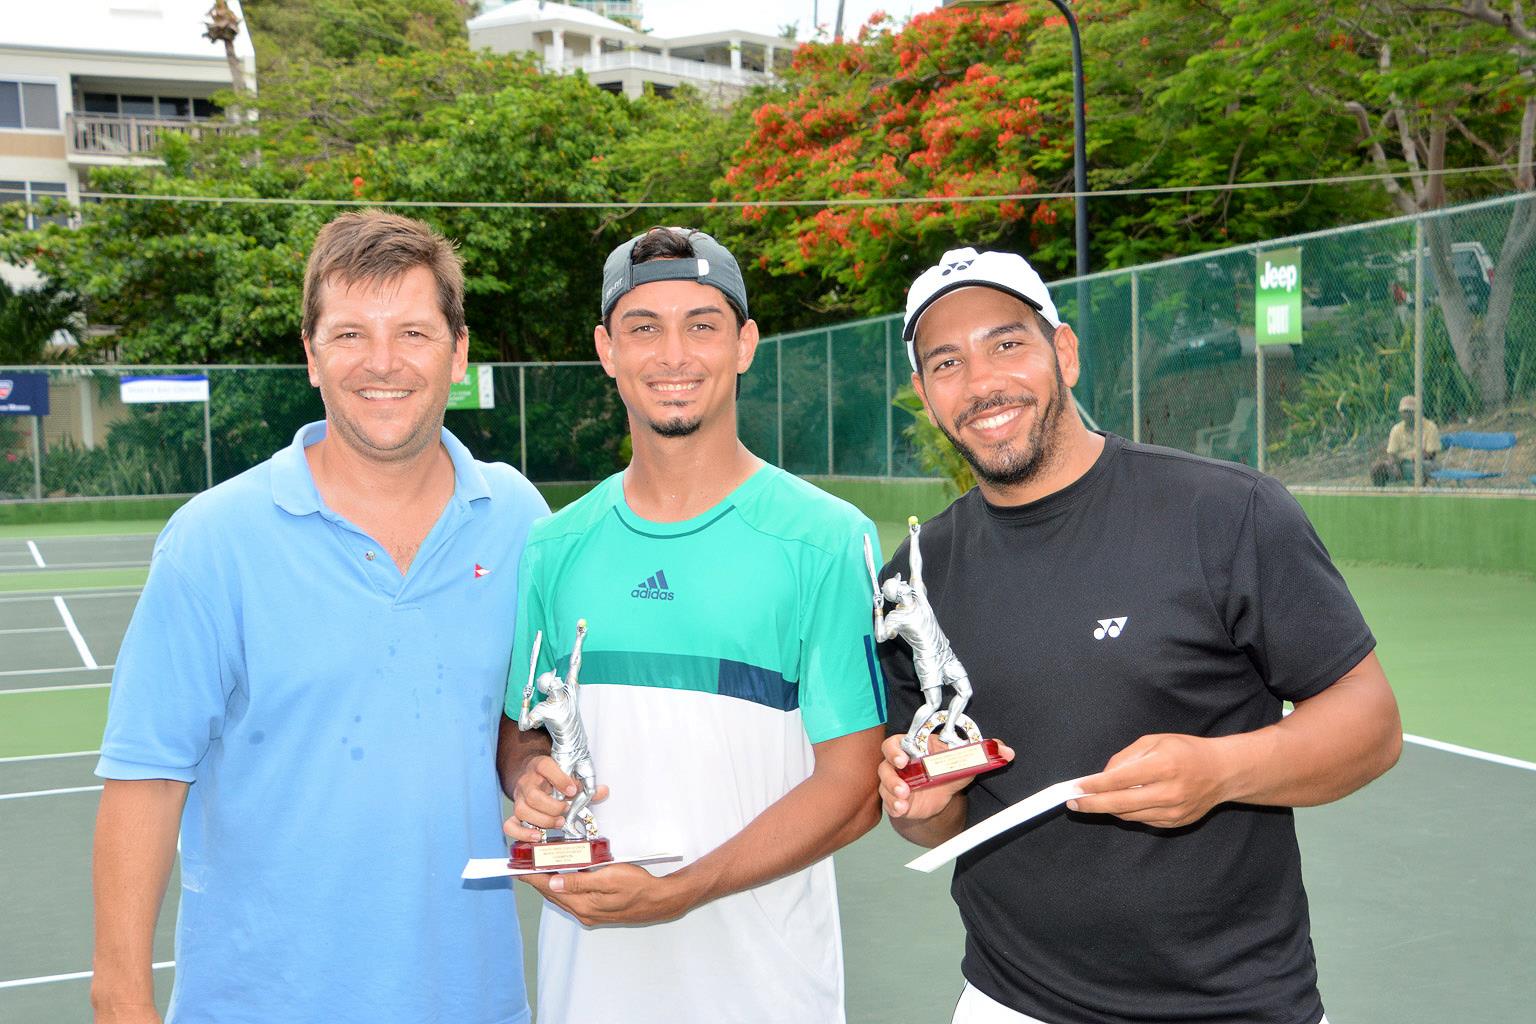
[(937, 667), (559, 714)]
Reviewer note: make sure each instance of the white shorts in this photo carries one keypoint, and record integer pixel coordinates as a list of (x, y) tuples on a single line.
[(976, 1007)]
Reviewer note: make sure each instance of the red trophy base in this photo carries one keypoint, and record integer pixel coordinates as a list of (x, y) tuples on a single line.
[(558, 854), (955, 763)]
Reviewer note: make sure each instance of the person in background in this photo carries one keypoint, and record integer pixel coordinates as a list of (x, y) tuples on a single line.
[(1400, 440)]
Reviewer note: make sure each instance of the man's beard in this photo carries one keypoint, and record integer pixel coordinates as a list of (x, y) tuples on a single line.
[(676, 427), (1016, 466)]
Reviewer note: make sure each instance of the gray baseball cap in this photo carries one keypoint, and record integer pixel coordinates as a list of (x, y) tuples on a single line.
[(710, 264)]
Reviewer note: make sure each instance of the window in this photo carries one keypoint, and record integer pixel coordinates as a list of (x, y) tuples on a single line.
[(33, 192), (167, 108), (99, 103), (29, 105), (138, 106)]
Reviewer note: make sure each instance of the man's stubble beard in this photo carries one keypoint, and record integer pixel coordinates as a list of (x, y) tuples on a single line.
[(1018, 467)]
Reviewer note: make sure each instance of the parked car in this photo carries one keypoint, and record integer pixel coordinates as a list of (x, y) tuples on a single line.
[(1469, 260)]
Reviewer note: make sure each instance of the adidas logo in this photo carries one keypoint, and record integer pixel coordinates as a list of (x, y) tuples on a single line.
[(1111, 627), (653, 589)]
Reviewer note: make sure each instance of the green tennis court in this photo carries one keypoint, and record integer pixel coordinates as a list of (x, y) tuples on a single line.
[(1423, 902)]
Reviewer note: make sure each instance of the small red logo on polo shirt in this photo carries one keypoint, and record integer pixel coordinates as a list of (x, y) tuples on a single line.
[(481, 570)]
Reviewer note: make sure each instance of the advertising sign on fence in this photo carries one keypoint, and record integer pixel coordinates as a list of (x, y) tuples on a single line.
[(1278, 306), (475, 391), (179, 387), (23, 394)]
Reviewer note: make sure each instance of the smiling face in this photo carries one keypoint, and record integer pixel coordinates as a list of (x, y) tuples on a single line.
[(674, 350), (994, 383), (383, 356)]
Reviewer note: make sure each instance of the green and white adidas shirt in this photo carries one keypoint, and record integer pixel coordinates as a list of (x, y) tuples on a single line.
[(718, 650)]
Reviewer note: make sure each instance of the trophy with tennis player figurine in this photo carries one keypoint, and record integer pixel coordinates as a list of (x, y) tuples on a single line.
[(913, 620), (578, 844)]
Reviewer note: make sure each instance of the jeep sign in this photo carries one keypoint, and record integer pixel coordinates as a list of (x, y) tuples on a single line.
[(1277, 304)]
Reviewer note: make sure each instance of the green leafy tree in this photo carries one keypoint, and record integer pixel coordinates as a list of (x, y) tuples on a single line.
[(28, 319), (532, 275), (197, 281), (1425, 88), (304, 31)]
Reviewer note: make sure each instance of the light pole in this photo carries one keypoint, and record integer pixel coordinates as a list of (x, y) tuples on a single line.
[(1079, 181), (1080, 201)]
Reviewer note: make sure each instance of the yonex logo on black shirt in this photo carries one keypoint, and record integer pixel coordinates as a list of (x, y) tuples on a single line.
[(653, 589)]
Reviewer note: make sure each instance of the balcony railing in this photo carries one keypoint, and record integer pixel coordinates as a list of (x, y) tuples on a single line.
[(625, 60), (109, 135)]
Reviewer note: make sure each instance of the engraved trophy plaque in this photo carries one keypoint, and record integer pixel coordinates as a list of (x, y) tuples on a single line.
[(577, 844), (937, 667)]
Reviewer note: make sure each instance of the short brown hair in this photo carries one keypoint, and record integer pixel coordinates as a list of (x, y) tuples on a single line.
[(371, 245)]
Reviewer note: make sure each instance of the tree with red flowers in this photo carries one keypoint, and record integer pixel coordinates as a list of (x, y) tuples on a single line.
[(976, 102)]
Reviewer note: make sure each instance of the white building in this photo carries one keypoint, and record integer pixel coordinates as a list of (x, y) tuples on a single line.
[(615, 57), (87, 83)]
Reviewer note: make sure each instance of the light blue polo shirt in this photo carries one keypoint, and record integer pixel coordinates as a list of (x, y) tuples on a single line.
[(337, 722)]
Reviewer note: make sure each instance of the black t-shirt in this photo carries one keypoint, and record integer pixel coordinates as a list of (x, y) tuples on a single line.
[(1159, 593)]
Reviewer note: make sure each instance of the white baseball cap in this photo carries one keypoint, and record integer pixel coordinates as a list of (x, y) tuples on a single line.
[(966, 268)]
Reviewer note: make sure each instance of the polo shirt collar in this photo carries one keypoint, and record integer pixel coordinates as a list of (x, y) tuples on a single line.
[(293, 485)]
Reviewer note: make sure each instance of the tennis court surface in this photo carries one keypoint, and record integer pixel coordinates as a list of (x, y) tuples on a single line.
[(1422, 886)]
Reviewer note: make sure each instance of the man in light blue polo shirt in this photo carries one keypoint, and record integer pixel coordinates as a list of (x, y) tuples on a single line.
[(311, 688)]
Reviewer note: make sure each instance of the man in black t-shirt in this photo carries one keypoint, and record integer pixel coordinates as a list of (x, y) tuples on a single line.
[(1136, 615)]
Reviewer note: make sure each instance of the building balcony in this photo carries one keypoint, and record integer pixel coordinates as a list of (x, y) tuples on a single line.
[(655, 63), (110, 138)]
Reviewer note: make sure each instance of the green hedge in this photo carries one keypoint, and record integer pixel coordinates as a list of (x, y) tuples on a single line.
[(87, 510)]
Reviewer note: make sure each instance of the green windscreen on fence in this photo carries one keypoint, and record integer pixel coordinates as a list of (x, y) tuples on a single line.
[(1439, 309)]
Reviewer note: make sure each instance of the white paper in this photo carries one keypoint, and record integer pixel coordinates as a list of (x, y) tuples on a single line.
[(1005, 819), (500, 867)]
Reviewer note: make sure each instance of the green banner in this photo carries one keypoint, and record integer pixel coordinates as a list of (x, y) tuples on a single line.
[(1277, 308), (476, 391)]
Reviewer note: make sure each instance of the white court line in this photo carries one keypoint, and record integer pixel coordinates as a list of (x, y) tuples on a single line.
[(1481, 755), (74, 595), (51, 671), (56, 689), (49, 757), (22, 982), (32, 629), (37, 556), (74, 632), (50, 792)]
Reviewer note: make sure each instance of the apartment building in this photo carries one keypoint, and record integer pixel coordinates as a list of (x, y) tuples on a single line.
[(617, 57), (91, 83)]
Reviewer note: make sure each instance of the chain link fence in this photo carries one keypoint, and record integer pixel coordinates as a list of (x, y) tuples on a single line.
[(105, 435), (1440, 308)]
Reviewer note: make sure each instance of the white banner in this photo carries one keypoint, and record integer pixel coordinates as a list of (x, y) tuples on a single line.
[(176, 388)]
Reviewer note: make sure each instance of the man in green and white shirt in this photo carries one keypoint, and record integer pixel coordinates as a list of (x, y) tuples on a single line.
[(729, 682)]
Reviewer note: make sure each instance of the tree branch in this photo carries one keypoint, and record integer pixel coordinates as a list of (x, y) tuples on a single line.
[(1379, 156), (1494, 156), (1525, 174)]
